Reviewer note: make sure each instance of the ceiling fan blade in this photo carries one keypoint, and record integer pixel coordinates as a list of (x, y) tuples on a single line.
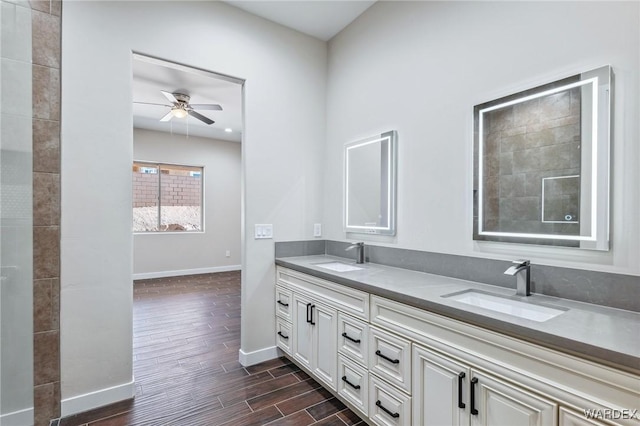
[(150, 103), (201, 117), (167, 117), (212, 107), (169, 96)]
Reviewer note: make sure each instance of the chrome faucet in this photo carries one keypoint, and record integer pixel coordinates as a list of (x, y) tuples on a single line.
[(360, 254), (522, 270)]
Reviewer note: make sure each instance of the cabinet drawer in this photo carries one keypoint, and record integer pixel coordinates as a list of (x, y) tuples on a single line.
[(388, 406), (283, 335), (343, 298), (353, 338), (390, 358), (283, 303), (353, 383)]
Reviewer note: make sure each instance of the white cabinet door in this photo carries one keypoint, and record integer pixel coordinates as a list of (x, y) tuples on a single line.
[(314, 342), (496, 403), (325, 328), (302, 344), (440, 390)]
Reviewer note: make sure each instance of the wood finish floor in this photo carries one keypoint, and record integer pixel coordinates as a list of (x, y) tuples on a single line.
[(186, 336)]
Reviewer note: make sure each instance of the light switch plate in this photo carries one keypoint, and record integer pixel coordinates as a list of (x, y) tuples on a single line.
[(317, 230), (263, 231)]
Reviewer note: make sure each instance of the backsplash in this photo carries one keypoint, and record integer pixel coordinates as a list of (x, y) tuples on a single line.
[(600, 288)]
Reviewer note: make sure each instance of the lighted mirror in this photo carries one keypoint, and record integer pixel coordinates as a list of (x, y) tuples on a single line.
[(541, 172), (370, 185)]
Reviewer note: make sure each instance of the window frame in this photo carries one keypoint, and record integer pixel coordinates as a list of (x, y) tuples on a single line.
[(158, 166)]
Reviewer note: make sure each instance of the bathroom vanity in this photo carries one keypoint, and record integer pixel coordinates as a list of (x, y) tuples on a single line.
[(402, 347)]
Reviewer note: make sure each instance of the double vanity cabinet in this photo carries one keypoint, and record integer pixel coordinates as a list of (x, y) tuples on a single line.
[(396, 364)]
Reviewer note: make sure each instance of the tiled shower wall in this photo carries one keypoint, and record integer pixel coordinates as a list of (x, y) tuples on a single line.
[(523, 144), (46, 24)]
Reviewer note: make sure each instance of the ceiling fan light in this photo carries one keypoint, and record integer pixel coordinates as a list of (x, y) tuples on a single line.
[(179, 112)]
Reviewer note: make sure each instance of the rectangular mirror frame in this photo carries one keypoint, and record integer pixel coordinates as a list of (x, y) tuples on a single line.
[(597, 173), (387, 191)]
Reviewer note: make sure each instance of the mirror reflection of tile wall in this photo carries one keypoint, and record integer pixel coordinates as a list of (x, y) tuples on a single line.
[(524, 144)]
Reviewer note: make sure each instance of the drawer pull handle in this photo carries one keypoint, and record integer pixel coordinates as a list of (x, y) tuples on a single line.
[(381, 355), (311, 321), (282, 335), (309, 317), (346, 336), (472, 397), (344, 379), (282, 303), (461, 376), (394, 415)]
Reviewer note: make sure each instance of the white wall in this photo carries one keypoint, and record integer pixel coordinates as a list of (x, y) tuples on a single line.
[(181, 253), (284, 106), (420, 67)]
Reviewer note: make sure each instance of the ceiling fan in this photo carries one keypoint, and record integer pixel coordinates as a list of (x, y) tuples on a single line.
[(180, 107)]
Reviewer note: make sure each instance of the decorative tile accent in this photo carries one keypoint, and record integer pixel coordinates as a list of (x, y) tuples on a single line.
[(46, 252), (46, 39), (46, 397), (42, 305), (46, 146), (46, 199), (41, 92), (45, 49), (46, 358)]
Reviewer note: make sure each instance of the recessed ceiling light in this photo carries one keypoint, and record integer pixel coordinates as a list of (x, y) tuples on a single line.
[(228, 130)]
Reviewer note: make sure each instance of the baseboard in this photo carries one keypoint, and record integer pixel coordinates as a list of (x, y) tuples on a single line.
[(181, 272), (17, 418), (256, 357), (100, 398)]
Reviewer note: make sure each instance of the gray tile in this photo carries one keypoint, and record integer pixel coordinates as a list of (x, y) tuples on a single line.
[(299, 248), (46, 39)]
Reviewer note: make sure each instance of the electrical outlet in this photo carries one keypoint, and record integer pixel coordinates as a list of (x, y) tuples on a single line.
[(228, 253), (317, 230)]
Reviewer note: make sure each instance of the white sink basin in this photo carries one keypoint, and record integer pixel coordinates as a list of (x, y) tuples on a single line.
[(338, 266), (505, 305)]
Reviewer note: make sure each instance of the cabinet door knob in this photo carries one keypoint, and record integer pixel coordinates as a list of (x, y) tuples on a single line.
[(282, 335), (460, 378), (381, 355), (280, 302), (346, 336), (344, 379), (311, 321), (394, 415), (472, 396)]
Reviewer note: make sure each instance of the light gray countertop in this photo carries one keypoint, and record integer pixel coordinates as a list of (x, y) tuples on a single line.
[(605, 335)]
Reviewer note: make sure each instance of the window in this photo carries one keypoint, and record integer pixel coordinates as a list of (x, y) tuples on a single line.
[(167, 197)]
